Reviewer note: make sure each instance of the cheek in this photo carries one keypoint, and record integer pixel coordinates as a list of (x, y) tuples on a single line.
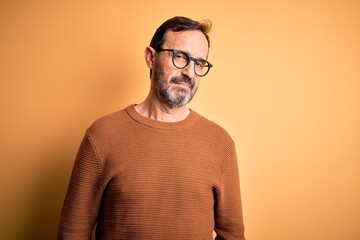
[(169, 71), (197, 81), (167, 64), (170, 74)]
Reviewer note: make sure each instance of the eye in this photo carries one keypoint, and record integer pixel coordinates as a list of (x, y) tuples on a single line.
[(181, 56), (201, 63)]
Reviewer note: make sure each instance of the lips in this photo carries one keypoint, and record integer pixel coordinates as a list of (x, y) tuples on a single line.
[(184, 81), (183, 84)]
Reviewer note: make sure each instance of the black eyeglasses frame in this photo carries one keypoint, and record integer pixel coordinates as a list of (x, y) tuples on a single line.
[(174, 51)]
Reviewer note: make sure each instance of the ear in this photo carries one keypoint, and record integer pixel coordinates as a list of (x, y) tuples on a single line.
[(150, 57)]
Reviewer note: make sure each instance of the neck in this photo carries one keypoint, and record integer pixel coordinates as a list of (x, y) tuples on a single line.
[(154, 109)]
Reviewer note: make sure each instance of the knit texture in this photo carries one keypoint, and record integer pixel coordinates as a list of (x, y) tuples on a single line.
[(137, 178)]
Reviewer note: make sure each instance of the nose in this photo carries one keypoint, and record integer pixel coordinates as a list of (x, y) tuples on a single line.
[(189, 70)]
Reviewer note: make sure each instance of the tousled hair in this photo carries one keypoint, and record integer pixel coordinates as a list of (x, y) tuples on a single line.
[(178, 24)]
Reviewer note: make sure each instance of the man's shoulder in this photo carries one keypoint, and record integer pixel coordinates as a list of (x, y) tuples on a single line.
[(109, 123), (213, 128)]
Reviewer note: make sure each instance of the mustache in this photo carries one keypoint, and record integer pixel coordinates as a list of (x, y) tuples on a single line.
[(183, 79)]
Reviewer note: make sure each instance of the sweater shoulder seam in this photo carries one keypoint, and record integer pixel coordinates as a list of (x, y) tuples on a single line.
[(97, 157)]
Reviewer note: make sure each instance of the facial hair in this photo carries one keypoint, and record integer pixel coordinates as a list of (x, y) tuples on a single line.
[(170, 94)]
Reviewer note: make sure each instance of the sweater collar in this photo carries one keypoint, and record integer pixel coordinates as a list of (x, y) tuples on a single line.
[(188, 121)]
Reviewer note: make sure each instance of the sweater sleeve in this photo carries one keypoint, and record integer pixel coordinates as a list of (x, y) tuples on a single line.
[(83, 197), (228, 208)]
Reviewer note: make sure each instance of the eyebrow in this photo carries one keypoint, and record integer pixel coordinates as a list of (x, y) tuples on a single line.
[(191, 55)]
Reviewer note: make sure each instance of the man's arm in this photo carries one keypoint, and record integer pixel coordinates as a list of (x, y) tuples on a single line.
[(82, 201), (228, 209)]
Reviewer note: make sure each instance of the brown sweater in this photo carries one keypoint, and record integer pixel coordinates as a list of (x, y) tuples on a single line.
[(138, 178)]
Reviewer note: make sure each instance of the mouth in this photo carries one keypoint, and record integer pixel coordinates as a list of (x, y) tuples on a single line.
[(184, 83)]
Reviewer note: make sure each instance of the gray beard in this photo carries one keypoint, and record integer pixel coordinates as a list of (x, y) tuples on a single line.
[(172, 96)]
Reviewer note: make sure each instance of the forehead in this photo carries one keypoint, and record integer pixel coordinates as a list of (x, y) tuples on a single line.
[(191, 41)]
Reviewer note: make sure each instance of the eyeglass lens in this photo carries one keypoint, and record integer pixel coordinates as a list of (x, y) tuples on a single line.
[(182, 59)]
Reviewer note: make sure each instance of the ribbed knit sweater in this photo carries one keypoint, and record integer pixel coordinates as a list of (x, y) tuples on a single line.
[(137, 178)]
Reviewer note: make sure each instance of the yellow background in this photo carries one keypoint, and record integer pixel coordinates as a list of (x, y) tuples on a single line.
[(285, 85)]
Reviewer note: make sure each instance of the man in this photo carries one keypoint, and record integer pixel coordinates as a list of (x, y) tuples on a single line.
[(158, 170)]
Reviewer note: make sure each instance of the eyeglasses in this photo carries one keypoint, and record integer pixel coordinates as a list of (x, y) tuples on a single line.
[(181, 59)]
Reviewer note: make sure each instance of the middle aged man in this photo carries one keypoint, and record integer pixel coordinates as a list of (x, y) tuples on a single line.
[(158, 170)]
